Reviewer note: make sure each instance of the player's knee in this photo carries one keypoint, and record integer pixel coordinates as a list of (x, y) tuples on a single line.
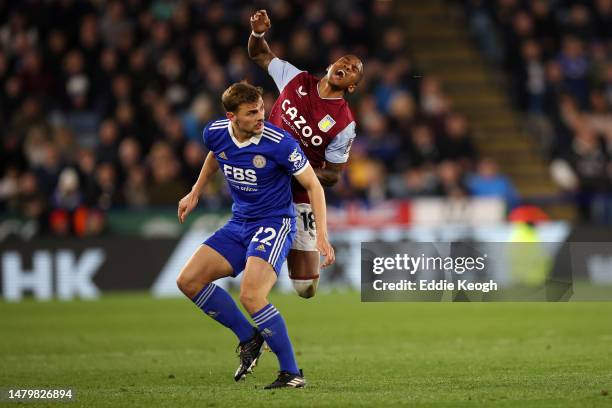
[(182, 284), (251, 300), (189, 287), (305, 288), (247, 298)]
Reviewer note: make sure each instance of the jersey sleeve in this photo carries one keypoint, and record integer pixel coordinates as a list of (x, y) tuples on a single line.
[(208, 137), (205, 137), (282, 72), (292, 157), (338, 150)]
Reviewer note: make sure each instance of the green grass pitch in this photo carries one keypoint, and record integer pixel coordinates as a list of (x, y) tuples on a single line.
[(134, 351)]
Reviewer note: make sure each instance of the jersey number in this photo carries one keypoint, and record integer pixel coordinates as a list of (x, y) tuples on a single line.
[(308, 220), (265, 240)]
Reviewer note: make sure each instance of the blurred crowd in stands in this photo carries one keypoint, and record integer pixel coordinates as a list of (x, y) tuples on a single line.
[(558, 59), (103, 103)]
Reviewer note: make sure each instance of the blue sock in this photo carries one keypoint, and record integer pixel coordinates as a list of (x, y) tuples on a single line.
[(219, 305), (272, 327)]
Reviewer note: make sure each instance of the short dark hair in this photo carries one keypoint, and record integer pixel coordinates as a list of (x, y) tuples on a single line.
[(239, 93)]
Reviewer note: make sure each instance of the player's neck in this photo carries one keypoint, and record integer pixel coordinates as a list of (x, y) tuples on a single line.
[(328, 91), (240, 135)]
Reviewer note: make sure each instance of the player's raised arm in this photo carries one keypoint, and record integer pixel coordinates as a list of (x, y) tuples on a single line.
[(259, 50), (190, 201), (310, 182)]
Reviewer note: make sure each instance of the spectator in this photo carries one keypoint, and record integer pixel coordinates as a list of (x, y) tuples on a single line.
[(579, 23), (135, 188), (107, 192), (86, 167), (107, 150), (488, 182), (165, 184), (457, 143), (413, 182), (30, 202), (588, 163), (130, 156), (450, 183), (575, 68), (423, 148), (67, 195), (532, 78)]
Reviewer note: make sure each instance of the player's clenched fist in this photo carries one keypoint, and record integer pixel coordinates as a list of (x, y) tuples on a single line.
[(186, 205), (260, 22), (326, 250)]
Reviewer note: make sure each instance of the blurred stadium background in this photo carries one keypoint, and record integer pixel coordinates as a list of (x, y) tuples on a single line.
[(479, 121), (476, 120)]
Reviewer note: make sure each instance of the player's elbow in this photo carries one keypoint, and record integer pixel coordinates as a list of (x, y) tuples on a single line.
[(262, 59), (330, 180)]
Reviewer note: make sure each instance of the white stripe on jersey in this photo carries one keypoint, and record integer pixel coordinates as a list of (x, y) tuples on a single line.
[(270, 138), (272, 135), (274, 132), (219, 124)]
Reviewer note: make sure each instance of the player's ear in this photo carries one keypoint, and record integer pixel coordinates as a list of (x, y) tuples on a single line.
[(230, 115), (351, 88)]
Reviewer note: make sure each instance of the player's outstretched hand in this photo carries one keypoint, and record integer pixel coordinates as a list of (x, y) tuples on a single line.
[(260, 22), (326, 250), (186, 205)]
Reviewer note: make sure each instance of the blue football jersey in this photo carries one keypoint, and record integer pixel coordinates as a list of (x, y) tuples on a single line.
[(258, 170)]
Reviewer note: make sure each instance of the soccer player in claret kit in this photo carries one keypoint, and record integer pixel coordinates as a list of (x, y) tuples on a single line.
[(316, 114), (258, 161)]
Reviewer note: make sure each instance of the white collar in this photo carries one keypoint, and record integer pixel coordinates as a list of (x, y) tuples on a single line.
[(253, 140)]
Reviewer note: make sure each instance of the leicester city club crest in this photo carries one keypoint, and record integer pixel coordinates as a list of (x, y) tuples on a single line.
[(259, 161), (326, 123), (296, 158)]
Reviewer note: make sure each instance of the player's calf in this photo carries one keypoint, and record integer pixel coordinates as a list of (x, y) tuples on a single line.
[(305, 287), (304, 269)]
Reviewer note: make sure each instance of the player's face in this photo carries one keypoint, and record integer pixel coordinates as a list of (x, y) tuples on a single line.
[(345, 73), (249, 117)]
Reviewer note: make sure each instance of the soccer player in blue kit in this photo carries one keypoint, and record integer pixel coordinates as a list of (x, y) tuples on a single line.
[(258, 161)]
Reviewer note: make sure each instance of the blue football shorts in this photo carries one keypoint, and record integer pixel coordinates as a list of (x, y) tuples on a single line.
[(267, 238)]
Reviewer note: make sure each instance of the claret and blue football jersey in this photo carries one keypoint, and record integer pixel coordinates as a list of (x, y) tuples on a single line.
[(258, 170)]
